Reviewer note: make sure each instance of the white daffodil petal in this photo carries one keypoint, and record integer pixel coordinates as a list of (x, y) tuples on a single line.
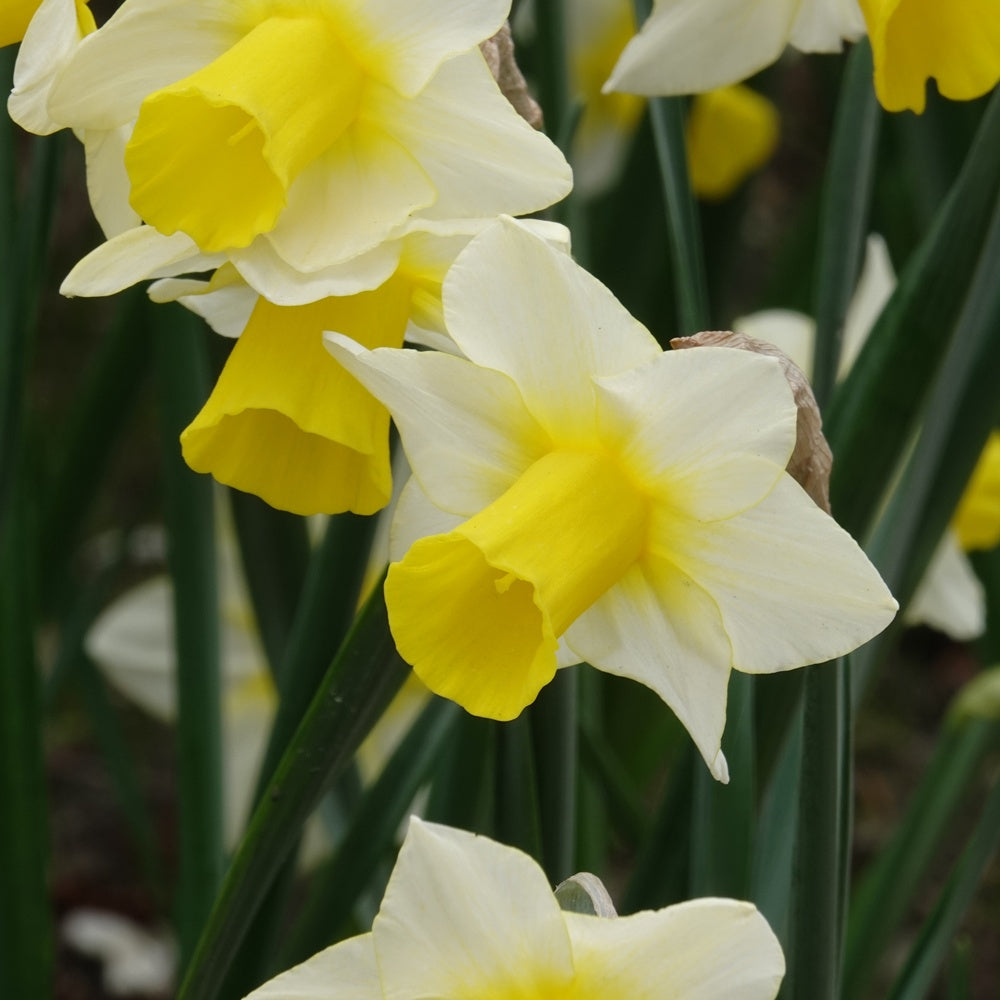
[(347, 971), (706, 456), (660, 628), (146, 45), (227, 310), (703, 949), (824, 25), (133, 256), (793, 587), (462, 914), (350, 199), (793, 333), (950, 597), (264, 270), (513, 304), (411, 40), (52, 35), (677, 50), (482, 156), (107, 181), (417, 517), (465, 429), (875, 288)]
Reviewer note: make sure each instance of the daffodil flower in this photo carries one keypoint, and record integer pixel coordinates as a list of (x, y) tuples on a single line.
[(950, 597), (958, 44), (689, 46), (464, 917), (977, 518), (315, 129), (285, 421), (572, 482)]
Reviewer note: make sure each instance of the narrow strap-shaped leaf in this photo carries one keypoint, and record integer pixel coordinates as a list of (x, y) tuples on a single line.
[(873, 411), (274, 549), (356, 689), (518, 822), (844, 218), (465, 776), (938, 932), (890, 884), (554, 731), (334, 888), (182, 383)]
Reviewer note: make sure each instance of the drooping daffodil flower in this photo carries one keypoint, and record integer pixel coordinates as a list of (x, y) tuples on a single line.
[(950, 597), (688, 46), (958, 44), (310, 132), (575, 485), (730, 132), (464, 917), (285, 421)]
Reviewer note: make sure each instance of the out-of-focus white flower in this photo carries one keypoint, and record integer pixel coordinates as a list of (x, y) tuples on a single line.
[(464, 917)]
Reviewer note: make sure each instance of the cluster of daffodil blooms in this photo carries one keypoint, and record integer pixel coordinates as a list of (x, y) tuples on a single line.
[(351, 192)]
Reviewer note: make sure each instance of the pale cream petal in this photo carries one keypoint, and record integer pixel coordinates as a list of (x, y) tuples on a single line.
[(704, 949), (875, 287), (707, 432), (227, 310), (133, 256), (465, 429), (416, 517), (264, 270), (143, 47), (350, 199), (107, 181), (514, 303), (793, 333), (50, 40), (657, 626), (464, 916), (482, 156), (408, 41), (824, 25), (950, 597), (347, 971), (793, 587), (679, 48)]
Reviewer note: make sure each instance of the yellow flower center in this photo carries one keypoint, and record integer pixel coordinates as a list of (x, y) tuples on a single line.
[(214, 154), (478, 611)]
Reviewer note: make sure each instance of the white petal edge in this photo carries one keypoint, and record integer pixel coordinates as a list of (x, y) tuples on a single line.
[(874, 289), (226, 310), (516, 304), (677, 50), (133, 256), (793, 587), (465, 916), (950, 597), (658, 627), (465, 430), (707, 431), (792, 332), (703, 949), (346, 971), (107, 181), (824, 25)]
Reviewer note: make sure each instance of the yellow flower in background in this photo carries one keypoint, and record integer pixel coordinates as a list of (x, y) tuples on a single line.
[(690, 46), (466, 918), (957, 43), (285, 421), (977, 518), (580, 495), (16, 15), (310, 131), (731, 132)]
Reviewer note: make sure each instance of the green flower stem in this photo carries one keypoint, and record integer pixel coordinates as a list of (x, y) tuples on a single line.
[(26, 945), (937, 936), (274, 549), (518, 822), (873, 411), (554, 731), (844, 223), (462, 792), (182, 383), (888, 887), (355, 690), (335, 888)]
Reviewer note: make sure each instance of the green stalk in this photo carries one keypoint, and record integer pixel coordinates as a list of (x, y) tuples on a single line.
[(355, 690), (844, 219), (182, 383), (518, 821)]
